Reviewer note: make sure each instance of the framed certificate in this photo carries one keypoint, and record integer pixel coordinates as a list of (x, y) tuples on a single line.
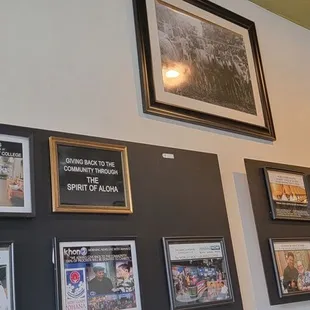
[(16, 175), (7, 287), (89, 177), (197, 272), (97, 274), (291, 260), (288, 194)]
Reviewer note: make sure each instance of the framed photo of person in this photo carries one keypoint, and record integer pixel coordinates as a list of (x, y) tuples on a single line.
[(16, 176), (7, 287), (99, 274), (291, 260), (197, 272), (288, 194), (89, 177), (200, 63)]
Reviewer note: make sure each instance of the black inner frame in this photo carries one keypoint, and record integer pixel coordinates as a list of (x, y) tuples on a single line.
[(271, 242), (194, 239), (273, 202), (56, 258), (16, 132)]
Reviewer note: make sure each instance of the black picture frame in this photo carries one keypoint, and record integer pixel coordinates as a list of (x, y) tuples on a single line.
[(280, 285), (16, 134), (57, 267), (192, 240), (153, 105), (288, 214), (8, 263)]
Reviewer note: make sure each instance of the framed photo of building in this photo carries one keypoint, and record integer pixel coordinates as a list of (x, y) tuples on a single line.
[(291, 259), (200, 63), (16, 176), (7, 287), (89, 177), (197, 272), (288, 194), (99, 274)]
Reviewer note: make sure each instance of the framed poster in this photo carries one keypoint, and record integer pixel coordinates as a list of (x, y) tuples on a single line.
[(197, 272), (7, 287), (291, 260), (200, 63), (97, 274), (89, 177), (16, 175), (288, 194)]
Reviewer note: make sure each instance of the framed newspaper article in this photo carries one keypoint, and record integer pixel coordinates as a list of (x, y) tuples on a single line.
[(7, 287), (97, 274), (288, 194), (197, 272), (291, 260), (16, 175)]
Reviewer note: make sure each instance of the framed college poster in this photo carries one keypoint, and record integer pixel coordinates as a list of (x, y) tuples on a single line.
[(7, 287), (200, 63), (97, 274), (291, 259), (89, 177), (16, 176), (197, 272), (288, 194)]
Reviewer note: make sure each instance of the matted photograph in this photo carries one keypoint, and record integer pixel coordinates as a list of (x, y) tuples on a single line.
[(15, 176), (197, 272), (95, 275), (201, 66), (89, 177), (291, 258), (7, 288), (288, 194)]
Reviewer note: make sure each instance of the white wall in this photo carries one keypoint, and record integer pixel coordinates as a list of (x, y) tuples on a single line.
[(71, 65)]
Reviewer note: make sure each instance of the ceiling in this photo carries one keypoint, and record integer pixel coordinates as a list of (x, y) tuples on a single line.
[(297, 11)]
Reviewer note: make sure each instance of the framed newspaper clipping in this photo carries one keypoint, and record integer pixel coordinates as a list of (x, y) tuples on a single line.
[(7, 287), (288, 194), (291, 260), (197, 272), (97, 274), (16, 176)]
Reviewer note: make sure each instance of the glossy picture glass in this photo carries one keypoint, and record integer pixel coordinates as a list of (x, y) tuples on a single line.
[(288, 195), (98, 275), (198, 274), (89, 177), (15, 176), (7, 288), (292, 265), (202, 66)]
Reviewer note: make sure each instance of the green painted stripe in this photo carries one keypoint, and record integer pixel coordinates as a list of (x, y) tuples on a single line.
[(297, 11)]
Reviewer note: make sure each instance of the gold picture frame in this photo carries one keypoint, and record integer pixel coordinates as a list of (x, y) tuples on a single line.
[(57, 206)]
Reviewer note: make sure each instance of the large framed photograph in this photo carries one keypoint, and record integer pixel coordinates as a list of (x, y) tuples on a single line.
[(7, 287), (197, 272), (288, 194), (89, 177), (200, 63), (16, 176), (291, 259), (99, 274)]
